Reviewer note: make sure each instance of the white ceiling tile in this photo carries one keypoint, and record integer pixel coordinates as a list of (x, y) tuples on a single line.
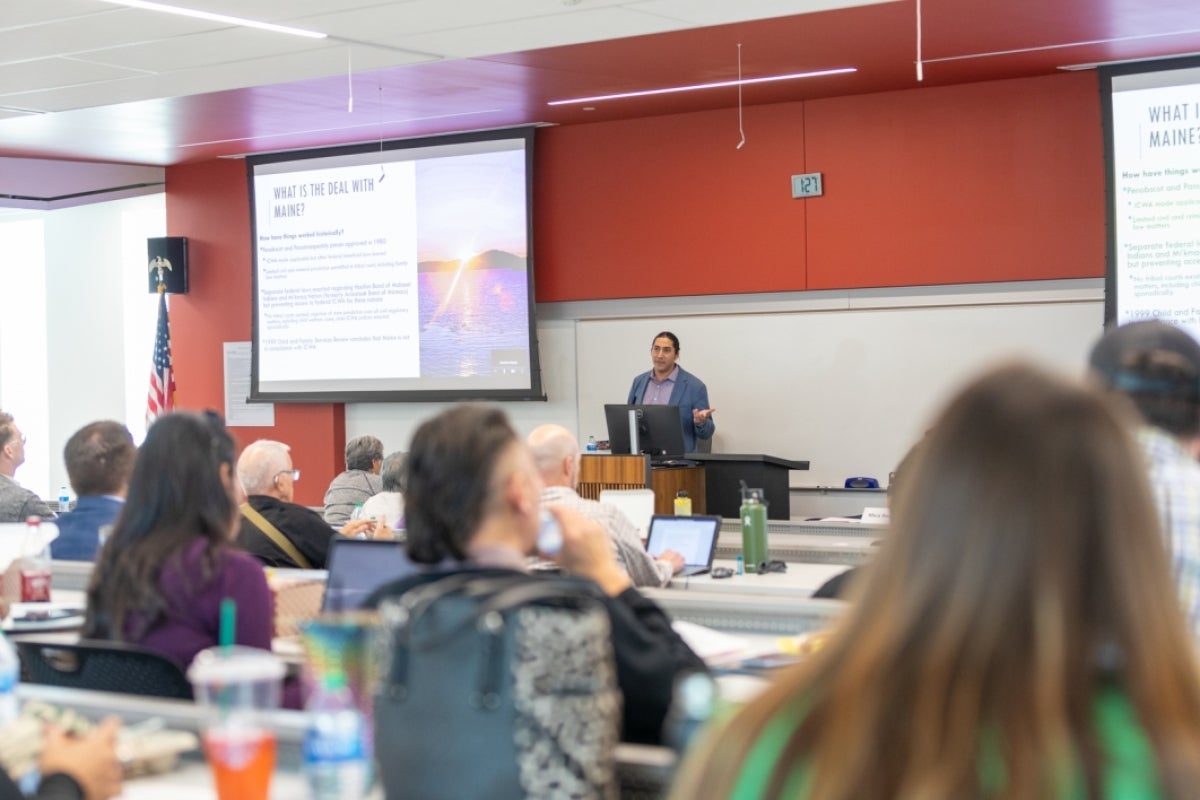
[(393, 22), (532, 34), (723, 12), (16, 79), (82, 35), (198, 50), (14, 13), (209, 78)]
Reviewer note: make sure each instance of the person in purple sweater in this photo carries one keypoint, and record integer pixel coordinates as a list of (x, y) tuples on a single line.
[(170, 561)]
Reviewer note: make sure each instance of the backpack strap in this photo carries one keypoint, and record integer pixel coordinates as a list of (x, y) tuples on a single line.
[(275, 535)]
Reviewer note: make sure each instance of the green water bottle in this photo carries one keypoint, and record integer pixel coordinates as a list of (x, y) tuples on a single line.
[(754, 528)]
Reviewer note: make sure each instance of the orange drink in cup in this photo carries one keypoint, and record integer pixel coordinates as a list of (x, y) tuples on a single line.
[(242, 760), (238, 685)]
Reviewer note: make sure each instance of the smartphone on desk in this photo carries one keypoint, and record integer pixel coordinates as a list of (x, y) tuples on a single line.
[(43, 618)]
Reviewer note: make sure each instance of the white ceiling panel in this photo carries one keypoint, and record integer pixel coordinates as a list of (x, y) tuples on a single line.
[(723, 12), (532, 34), (18, 79), (82, 35), (290, 11), (15, 13), (394, 23), (186, 52)]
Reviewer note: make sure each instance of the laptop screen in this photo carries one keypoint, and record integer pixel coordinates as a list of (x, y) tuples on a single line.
[(358, 567), (694, 537)]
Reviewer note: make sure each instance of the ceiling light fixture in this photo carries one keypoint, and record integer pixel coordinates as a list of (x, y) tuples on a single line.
[(241, 21), (698, 86)]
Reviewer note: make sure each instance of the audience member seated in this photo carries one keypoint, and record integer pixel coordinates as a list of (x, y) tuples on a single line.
[(388, 505), (472, 504), (1017, 635), (72, 767), (360, 481), (1156, 366), (99, 459), (276, 531), (170, 561), (556, 454), (16, 502)]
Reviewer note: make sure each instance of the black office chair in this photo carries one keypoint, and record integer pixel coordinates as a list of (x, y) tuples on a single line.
[(102, 666)]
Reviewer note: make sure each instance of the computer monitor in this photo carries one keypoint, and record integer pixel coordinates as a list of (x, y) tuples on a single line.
[(659, 429)]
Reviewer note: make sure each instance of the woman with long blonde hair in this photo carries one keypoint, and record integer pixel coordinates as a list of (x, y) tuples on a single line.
[(1017, 636)]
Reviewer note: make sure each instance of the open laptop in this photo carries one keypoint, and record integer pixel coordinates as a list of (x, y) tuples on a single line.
[(694, 538), (358, 567)]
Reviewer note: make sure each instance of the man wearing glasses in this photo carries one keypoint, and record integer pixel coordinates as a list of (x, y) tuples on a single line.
[(16, 502), (275, 530)]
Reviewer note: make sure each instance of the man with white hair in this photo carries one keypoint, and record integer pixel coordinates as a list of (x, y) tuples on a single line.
[(275, 530), (556, 453)]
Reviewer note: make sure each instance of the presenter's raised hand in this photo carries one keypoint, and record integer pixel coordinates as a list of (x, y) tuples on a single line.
[(701, 415)]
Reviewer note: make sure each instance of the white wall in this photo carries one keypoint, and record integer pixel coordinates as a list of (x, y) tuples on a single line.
[(845, 380), (98, 328)]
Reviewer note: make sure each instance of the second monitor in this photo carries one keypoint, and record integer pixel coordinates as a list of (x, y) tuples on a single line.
[(658, 429)]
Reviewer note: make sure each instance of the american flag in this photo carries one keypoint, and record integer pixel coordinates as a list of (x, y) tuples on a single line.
[(161, 398)]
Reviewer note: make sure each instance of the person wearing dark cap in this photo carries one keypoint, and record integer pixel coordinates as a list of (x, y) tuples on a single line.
[(1157, 366)]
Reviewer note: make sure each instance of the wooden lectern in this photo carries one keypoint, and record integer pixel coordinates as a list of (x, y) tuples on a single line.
[(599, 472)]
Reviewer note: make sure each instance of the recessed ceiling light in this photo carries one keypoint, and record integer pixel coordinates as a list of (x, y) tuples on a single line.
[(240, 21), (697, 86)]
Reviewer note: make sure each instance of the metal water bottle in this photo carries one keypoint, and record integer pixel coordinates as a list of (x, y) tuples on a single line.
[(754, 528)]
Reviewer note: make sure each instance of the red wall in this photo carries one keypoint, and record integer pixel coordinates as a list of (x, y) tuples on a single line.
[(983, 182), (209, 204), (669, 205)]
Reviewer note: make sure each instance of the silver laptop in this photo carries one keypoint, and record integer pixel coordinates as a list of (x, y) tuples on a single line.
[(694, 538)]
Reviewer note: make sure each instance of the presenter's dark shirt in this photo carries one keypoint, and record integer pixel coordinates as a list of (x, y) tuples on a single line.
[(305, 528)]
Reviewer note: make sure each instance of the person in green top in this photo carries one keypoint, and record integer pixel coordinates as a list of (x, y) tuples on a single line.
[(1017, 636)]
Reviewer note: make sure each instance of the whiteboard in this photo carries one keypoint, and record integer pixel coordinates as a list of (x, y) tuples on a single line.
[(848, 390)]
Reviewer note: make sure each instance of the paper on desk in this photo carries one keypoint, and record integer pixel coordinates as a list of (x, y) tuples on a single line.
[(17, 539), (708, 643)]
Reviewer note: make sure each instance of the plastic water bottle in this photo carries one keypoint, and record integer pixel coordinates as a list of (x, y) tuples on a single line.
[(34, 564), (549, 541), (64, 500), (692, 705), (591, 444), (335, 757), (10, 672)]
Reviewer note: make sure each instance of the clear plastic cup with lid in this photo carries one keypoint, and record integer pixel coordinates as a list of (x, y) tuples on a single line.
[(238, 685)]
